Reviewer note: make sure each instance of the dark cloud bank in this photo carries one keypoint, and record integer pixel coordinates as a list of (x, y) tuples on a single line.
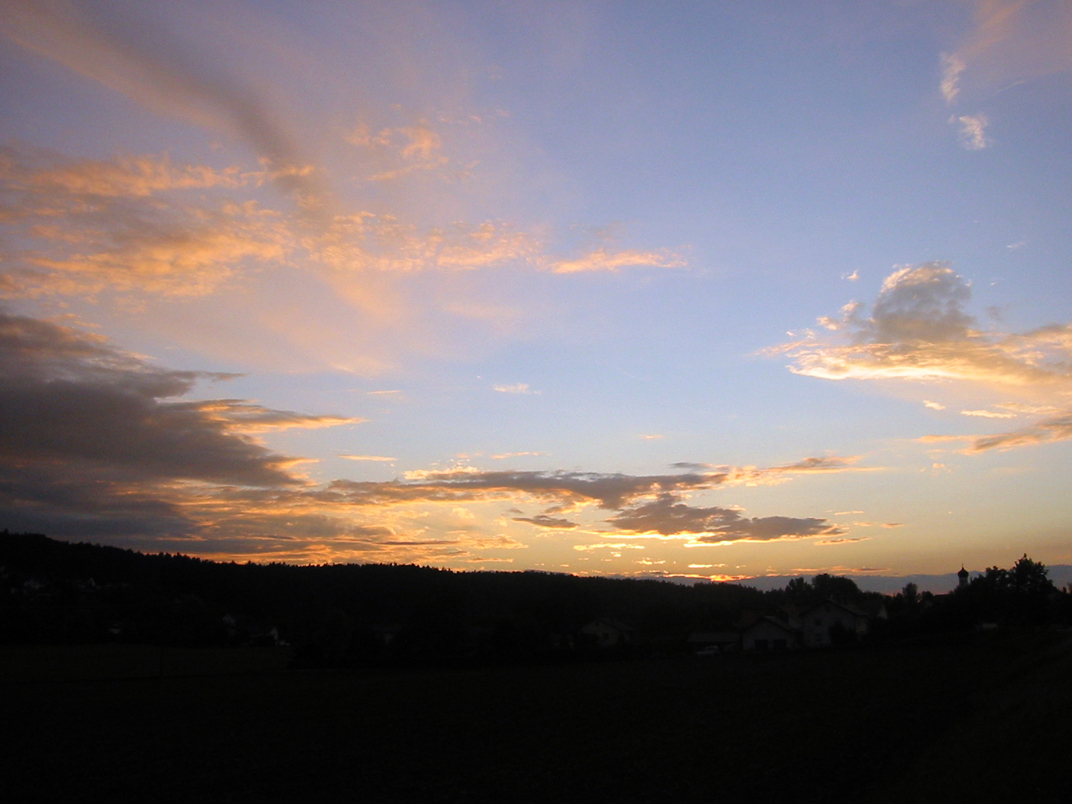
[(95, 442), (100, 444)]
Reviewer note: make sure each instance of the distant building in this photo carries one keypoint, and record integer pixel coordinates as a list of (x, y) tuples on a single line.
[(770, 633), (606, 632), (822, 623), (962, 577)]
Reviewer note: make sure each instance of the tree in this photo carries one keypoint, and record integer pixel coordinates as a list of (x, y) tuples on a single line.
[(799, 591), (911, 594), (1030, 578), (1019, 595), (836, 587)]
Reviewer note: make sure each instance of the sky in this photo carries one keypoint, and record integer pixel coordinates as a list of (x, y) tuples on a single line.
[(684, 289)]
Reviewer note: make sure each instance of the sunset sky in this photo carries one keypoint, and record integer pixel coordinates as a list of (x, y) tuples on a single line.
[(701, 289)]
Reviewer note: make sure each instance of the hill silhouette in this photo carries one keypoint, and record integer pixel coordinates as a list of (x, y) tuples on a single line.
[(349, 614)]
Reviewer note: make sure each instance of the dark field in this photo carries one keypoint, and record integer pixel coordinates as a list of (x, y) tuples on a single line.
[(987, 720)]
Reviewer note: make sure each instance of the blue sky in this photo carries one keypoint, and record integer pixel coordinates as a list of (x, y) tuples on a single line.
[(676, 289)]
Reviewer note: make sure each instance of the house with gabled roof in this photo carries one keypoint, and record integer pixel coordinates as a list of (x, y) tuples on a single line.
[(823, 623), (771, 633)]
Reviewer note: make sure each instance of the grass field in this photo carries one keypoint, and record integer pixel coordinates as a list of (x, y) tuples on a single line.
[(986, 720)]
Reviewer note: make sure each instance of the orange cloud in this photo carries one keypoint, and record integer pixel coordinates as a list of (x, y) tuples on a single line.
[(919, 330), (1054, 428), (603, 260), (86, 227)]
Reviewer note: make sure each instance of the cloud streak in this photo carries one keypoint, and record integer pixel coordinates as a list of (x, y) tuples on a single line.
[(564, 490), (668, 517), (128, 53), (545, 521), (1054, 428), (601, 259), (516, 388)]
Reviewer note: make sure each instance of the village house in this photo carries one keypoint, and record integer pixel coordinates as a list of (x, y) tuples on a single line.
[(606, 632), (823, 623), (771, 633)]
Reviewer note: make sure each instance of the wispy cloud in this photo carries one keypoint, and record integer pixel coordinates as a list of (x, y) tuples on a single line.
[(516, 388), (770, 475), (136, 177), (131, 231), (952, 66), (603, 260), (392, 153), (1009, 41), (824, 465), (940, 439), (75, 227), (588, 548), (363, 241), (1012, 40), (988, 414), (373, 458), (544, 521), (129, 53), (1055, 428), (973, 132), (842, 540)]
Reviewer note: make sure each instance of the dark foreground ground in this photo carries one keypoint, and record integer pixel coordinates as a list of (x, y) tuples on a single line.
[(987, 720)]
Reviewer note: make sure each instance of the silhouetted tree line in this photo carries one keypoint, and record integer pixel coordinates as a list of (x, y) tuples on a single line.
[(1022, 596), (54, 591), (346, 614)]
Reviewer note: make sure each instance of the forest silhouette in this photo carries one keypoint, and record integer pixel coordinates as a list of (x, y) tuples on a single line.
[(350, 614)]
